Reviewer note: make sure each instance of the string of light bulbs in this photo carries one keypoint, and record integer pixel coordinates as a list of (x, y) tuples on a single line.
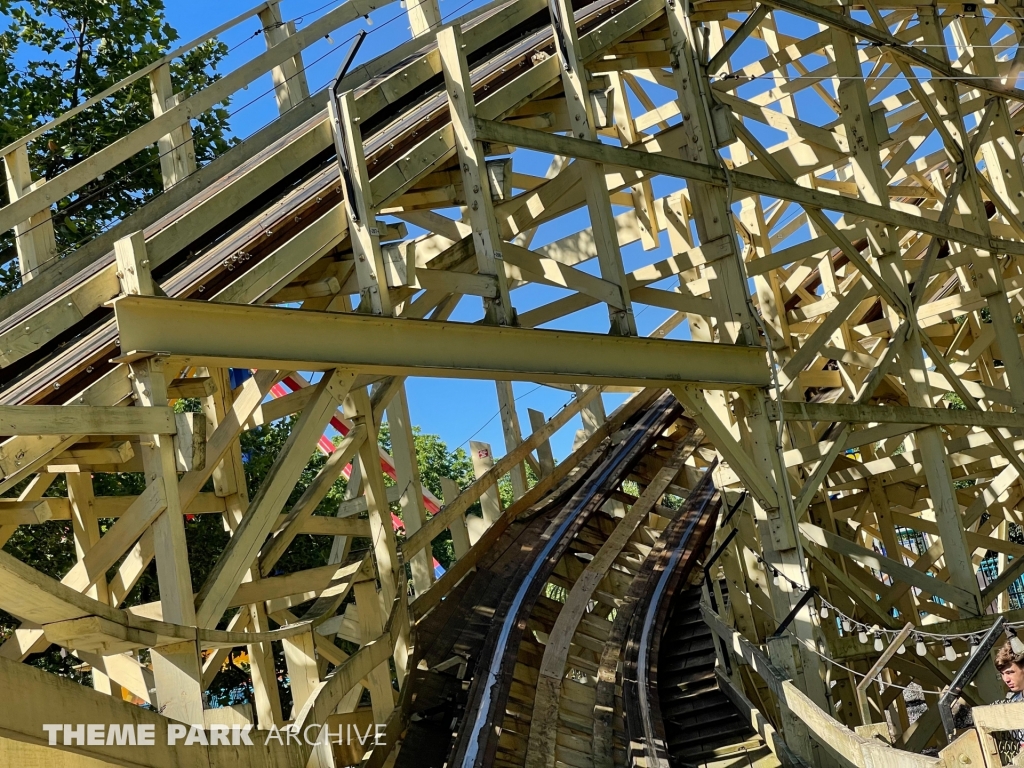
[(882, 636)]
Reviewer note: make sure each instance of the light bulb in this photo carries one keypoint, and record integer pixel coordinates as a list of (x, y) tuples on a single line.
[(824, 611), (862, 636), (369, 21), (974, 644), (847, 626), (776, 580), (921, 648), (950, 653), (329, 39), (1015, 642), (902, 649), (878, 641)]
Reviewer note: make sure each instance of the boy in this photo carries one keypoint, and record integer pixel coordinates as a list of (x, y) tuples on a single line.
[(1011, 668)]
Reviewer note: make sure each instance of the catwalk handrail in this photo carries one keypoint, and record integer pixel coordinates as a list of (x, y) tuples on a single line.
[(842, 744), (49, 191), (134, 76)]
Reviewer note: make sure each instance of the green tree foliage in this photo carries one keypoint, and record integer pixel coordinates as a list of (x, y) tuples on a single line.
[(56, 54)]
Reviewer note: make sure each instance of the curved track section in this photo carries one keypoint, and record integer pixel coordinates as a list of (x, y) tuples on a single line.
[(546, 686), (677, 714), (528, 608), (685, 542)]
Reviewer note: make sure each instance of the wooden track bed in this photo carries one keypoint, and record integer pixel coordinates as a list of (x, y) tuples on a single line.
[(503, 679), (456, 631)]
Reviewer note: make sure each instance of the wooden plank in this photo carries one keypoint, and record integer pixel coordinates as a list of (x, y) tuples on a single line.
[(897, 414), (84, 420), (708, 174), (259, 519)]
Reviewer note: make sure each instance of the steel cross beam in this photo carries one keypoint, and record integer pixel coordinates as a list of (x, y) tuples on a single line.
[(261, 337)]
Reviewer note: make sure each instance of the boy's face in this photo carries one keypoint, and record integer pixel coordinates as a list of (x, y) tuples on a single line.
[(1013, 676)]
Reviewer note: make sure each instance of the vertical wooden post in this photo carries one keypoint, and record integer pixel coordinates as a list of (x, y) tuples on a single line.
[(35, 239), (460, 534), (229, 483), (133, 269), (176, 668), (546, 458), (513, 434), (483, 461), (599, 204), (290, 85), (362, 219), (371, 621), (303, 675), (385, 546), (177, 149), (86, 530), (414, 513), (486, 238), (593, 413), (642, 193), (341, 545), (424, 15)]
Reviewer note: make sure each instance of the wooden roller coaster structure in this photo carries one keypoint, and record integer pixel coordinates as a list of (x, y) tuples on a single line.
[(823, 439)]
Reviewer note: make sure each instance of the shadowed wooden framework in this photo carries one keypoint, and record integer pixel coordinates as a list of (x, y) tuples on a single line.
[(822, 205)]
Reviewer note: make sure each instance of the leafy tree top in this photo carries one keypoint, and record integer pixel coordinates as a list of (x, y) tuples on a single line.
[(55, 55)]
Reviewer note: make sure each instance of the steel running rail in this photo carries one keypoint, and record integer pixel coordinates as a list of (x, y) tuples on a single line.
[(703, 504), (478, 732)]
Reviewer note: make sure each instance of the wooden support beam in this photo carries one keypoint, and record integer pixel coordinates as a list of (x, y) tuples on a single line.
[(85, 420), (506, 133), (176, 668), (893, 568), (296, 519), (371, 620), (721, 436), (592, 171), (382, 530), (546, 459), (35, 240), (897, 47), (177, 148), (23, 718), (290, 86), (259, 519), (487, 240), (407, 472), (896, 414), (490, 503), (361, 216)]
